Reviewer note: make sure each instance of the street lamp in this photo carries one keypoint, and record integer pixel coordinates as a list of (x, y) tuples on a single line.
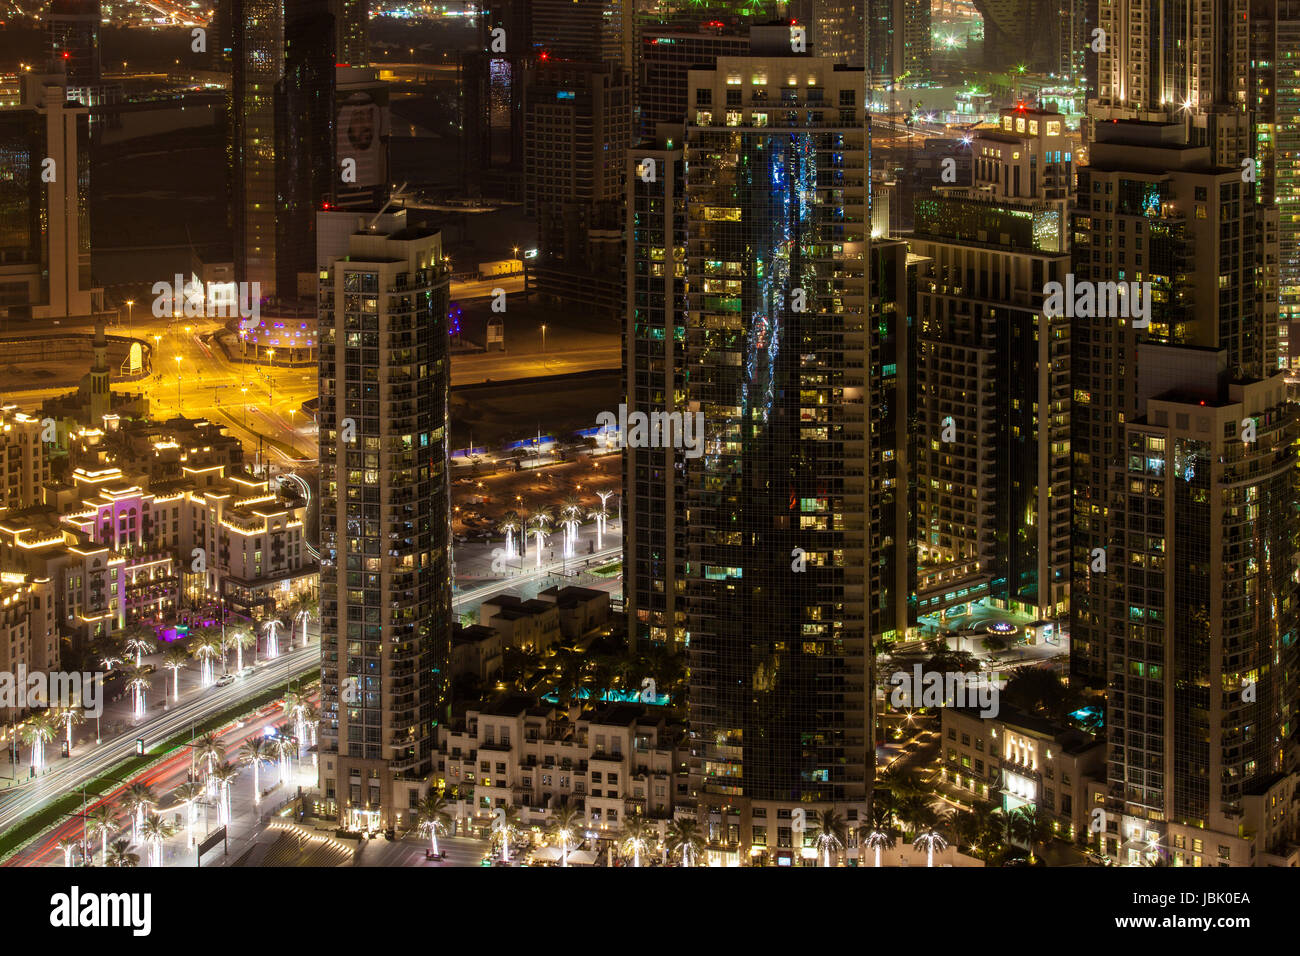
[(543, 344), (130, 312), (179, 410)]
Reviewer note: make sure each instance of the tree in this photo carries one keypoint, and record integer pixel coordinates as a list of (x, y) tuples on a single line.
[(68, 717), (100, 822), (992, 827), (1032, 827), (205, 647), (505, 825), (68, 848), (510, 526), (685, 841), (138, 683), (173, 660), (208, 752), (241, 638), (829, 834), (433, 818), (153, 833), (223, 775), (285, 748), (636, 837), (272, 627), (186, 795), (296, 706), (539, 525), (139, 799), (915, 814), (1040, 691), (139, 639), (565, 824), (255, 752), (570, 675), (878, 836), (303, 607), (36, 733), (120, 855), (930, 839)]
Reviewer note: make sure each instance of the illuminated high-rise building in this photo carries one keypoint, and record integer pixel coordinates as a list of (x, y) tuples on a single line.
[(72, 28), (385, 519), (257, 62)]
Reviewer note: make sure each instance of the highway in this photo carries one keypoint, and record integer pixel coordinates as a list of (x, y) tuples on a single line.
[(66, 776)]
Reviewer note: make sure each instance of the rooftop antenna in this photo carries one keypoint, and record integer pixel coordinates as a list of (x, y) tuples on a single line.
[(394, 195)]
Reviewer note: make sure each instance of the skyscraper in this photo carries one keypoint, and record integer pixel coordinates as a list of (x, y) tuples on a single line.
[(1185, 530), (748, 307), (304, 137), (351, 31), (72, 27), (993, 472), (257, 61), (385, 519)]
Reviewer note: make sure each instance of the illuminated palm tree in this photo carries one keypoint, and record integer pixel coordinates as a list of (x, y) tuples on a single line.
[(285, 748), (121, 855), (929, 839), (272, 627), (505, 825), (205, 649), (68, 848), (600, 516), (879, 837), (139, 639), (301, 608), (100, 822), (564, 827), (829, 834), (36, 733), (255, 752), (138, 683), (432, 816), (240, 638), (1032, 827), (296, 706), (222, 776), (208, 752), (685, 840), (510, 525), (139, 799), (174, 660), (539, 527), (186, 795), (570, 519), (68, 717), (636, 837), (604, 497), (154, 832)]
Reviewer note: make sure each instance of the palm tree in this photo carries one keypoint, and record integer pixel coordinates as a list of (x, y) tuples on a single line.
[(296, 706), (205, 649), (223, 775), (208, 751), (829, 834), (139, 639), (1032, 827), (539, 527), (272, 627), (285, 748), (878, 836), (685, 840), (301, 607), (505, 824), (992, 827), (139, 799), (510, 526), (68, 717), (600, 516), (571, 675), (137, 681), (255, 752), (570, 519), (604, 497), (914, 813), (100, 822), (121, 855), (564, 826), (636, 837), (432, 816), (884, 805), (240, 638), (930, 839), (68, 848), (36, 733), (173, 661), (186, 795), (153, 833)]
